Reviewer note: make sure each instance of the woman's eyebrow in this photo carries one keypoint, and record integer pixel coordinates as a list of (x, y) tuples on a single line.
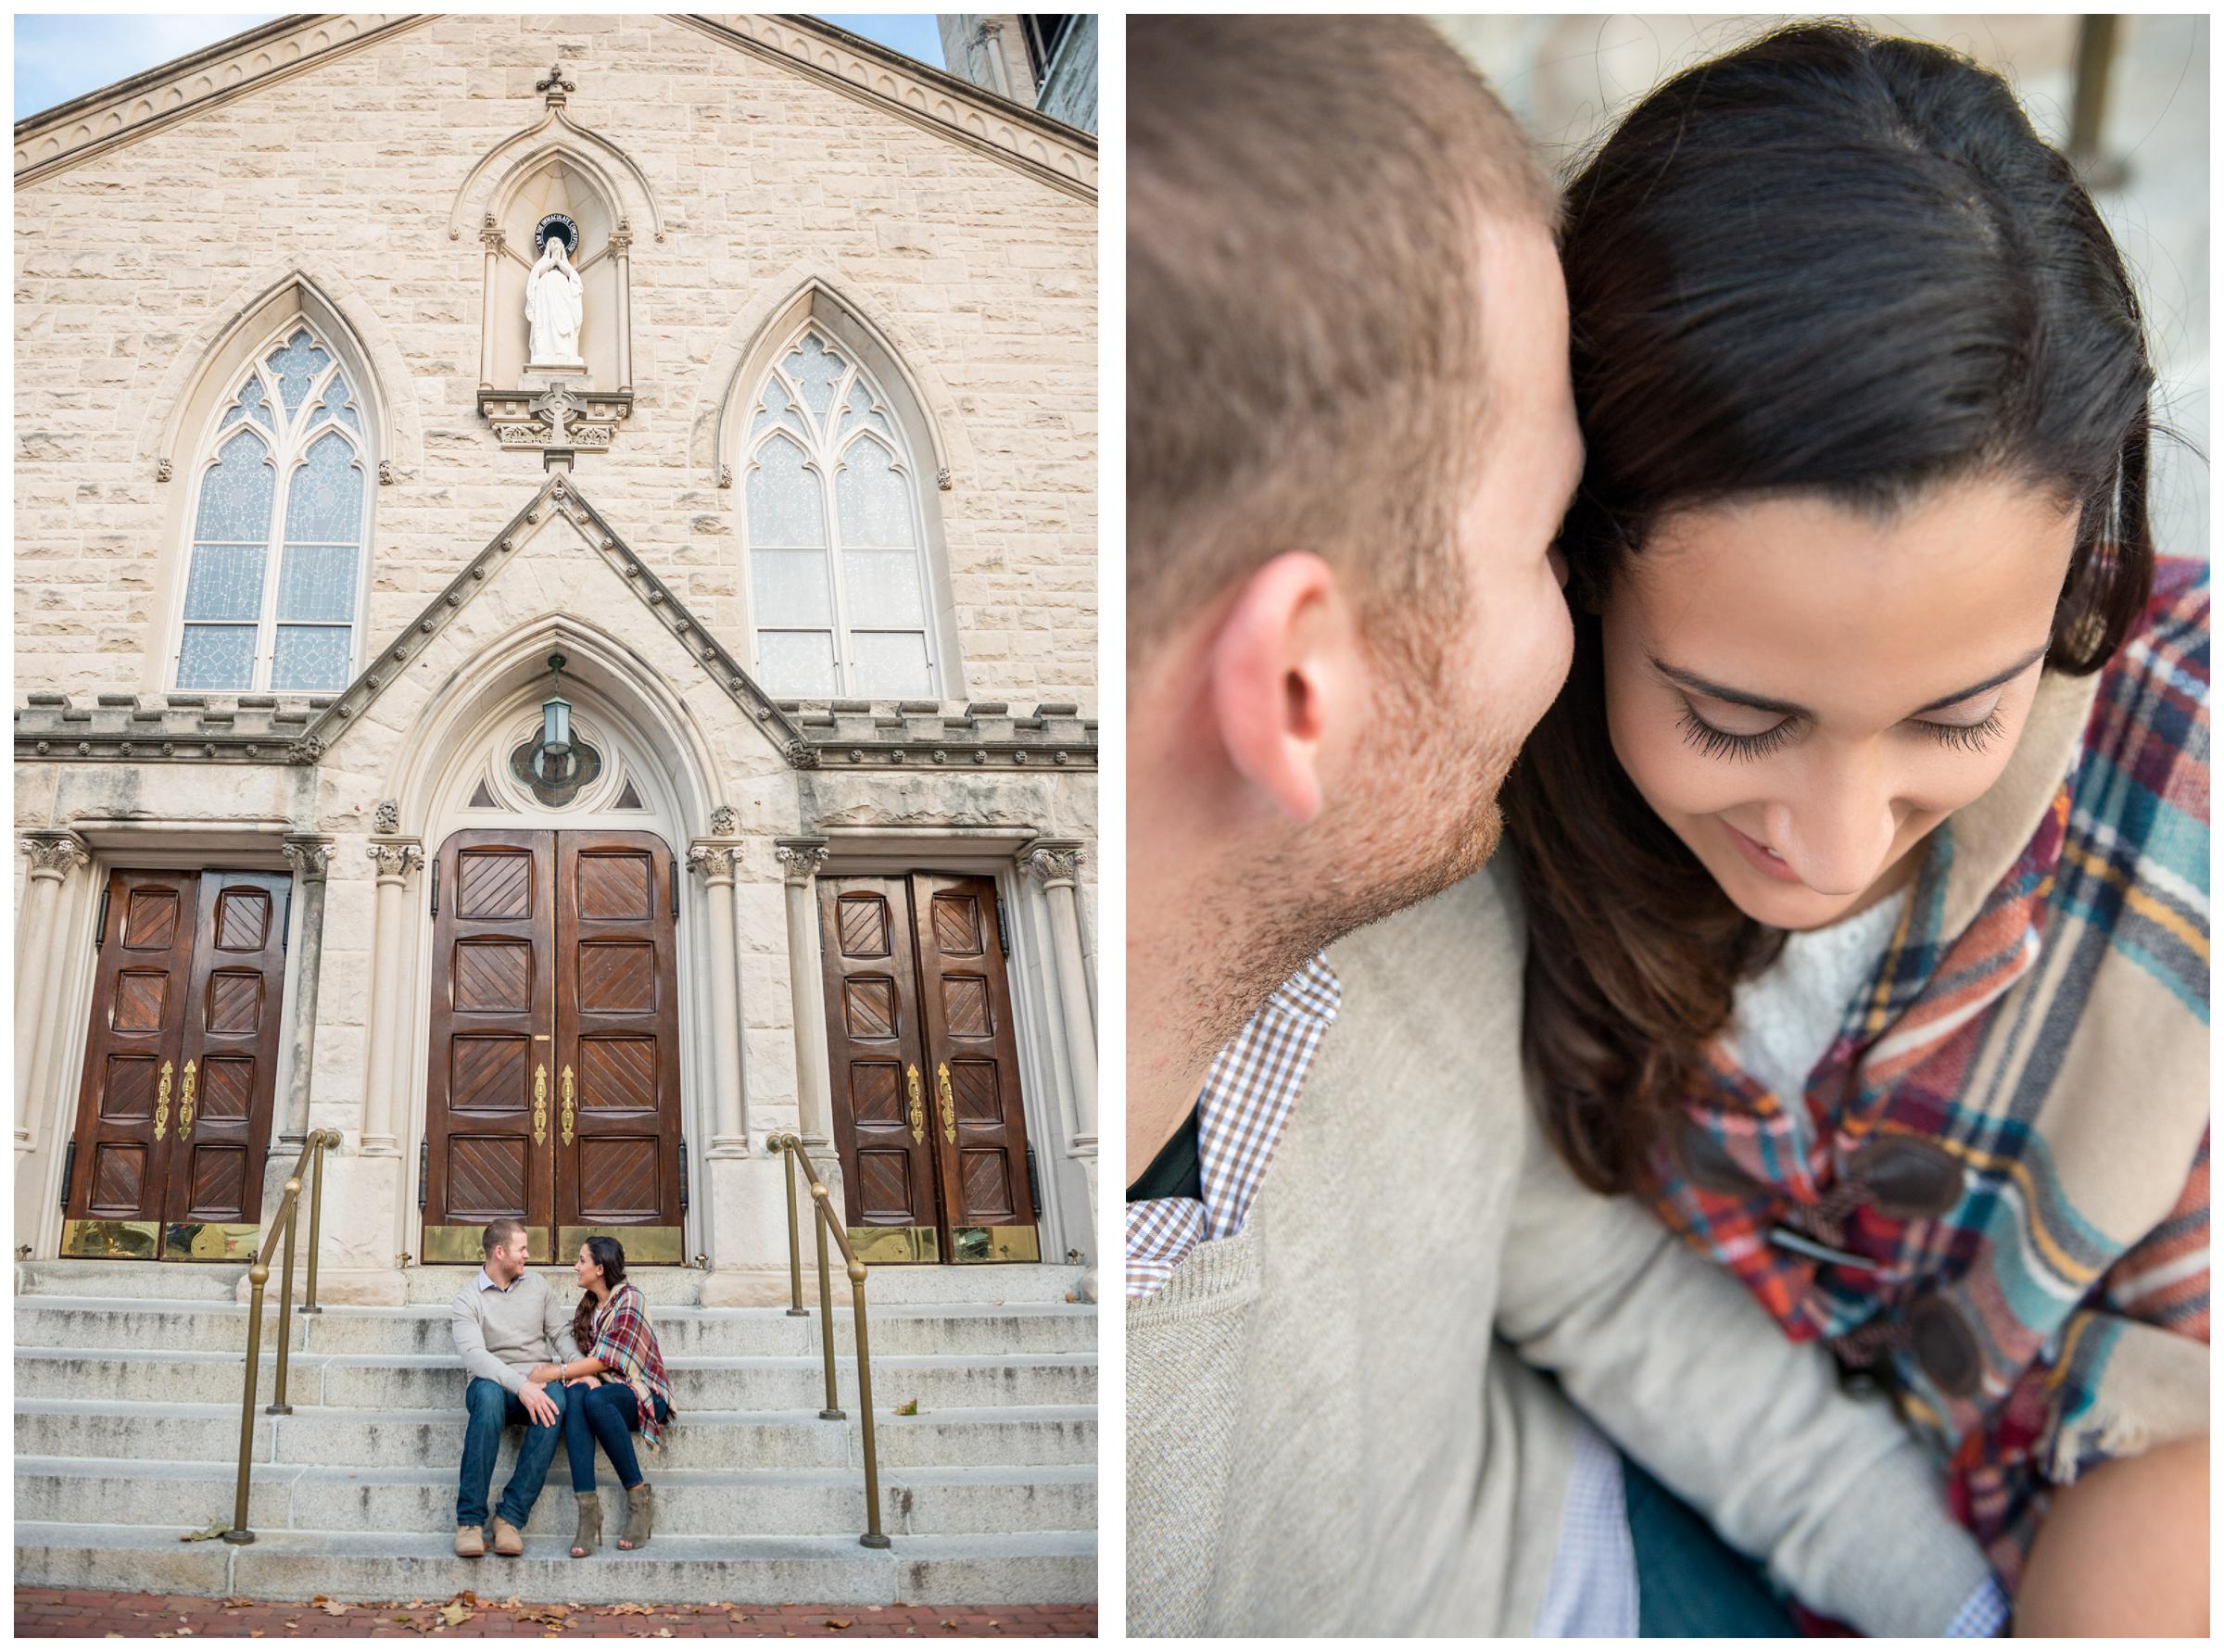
[(1784, 707)]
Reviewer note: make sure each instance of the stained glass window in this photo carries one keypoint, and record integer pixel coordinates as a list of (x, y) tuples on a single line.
[(837, 579), (275, 566)]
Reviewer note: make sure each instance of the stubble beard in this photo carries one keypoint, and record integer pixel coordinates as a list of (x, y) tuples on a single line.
[(1421, 815)]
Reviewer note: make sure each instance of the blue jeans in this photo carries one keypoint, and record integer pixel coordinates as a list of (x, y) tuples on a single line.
[(607, 1412), (490, 1408), (1689, 1582)]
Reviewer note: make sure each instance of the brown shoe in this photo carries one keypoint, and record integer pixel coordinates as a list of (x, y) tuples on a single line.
[(471, 1543), (508, 1539), (640, 1514)]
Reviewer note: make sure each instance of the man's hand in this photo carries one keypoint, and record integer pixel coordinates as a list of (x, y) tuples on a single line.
[(539, 1406)]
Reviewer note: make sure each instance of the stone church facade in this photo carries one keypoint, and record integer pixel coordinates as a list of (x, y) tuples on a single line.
[(558, 776)]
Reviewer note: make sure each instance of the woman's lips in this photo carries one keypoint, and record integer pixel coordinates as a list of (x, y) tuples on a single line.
[(1764, 859)]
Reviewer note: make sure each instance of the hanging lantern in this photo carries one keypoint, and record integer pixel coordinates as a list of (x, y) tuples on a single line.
[(553, 758)]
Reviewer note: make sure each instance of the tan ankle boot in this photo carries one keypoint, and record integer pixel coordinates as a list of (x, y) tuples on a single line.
[(588, 1538), (641, 1513)]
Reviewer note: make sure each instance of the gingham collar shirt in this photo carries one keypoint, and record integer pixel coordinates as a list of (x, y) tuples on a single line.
[(1246, 1102)]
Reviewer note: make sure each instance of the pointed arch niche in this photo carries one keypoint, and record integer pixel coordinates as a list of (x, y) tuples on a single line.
[(558, 180), (273, 458), (835, 468)]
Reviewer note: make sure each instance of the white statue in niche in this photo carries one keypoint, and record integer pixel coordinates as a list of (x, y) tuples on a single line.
[(552, 304)]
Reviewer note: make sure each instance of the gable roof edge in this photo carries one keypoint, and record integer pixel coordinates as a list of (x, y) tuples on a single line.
[(128, 109)]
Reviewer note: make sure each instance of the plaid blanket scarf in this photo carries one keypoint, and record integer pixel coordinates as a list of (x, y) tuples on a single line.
[(1995, 1191), (625, 1343)]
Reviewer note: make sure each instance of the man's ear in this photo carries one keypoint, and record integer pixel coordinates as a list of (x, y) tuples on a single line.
[(1285, 664)]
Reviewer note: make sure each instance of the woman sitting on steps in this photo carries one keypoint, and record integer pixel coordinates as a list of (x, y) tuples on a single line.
[(617, 1391)]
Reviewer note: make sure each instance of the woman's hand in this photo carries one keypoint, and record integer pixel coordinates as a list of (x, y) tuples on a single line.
[(544, 1373), (2124, 1551)]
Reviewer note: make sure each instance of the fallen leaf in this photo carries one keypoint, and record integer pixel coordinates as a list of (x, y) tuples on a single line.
[(215, 1528), (908, 1408), (624, 1608), (254, 1635), (233, 1600), (831, 1622), (452, 1614)]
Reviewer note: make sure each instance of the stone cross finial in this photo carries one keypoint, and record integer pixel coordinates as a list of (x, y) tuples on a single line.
[(555, 86)]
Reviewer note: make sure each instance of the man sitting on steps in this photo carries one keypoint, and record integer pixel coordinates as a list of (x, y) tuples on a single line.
[(507, 1324)]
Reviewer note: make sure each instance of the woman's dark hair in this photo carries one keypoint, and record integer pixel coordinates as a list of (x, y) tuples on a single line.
[(609, 1255), (1829, 264)]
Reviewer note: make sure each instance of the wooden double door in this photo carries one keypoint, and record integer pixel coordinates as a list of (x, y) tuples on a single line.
[(928, 1118), (173, 1113), (553, 1093)]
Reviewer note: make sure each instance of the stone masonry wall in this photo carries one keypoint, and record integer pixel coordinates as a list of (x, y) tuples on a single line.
[(982, 276)]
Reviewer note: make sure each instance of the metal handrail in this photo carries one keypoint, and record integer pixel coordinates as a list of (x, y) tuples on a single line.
[(792, 1146), (280, 1232)]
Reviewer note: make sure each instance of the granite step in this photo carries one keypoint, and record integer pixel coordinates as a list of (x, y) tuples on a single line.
[(436, 1382), (974, 1568), (91, 1322), (697, 1502), (134, 1429)]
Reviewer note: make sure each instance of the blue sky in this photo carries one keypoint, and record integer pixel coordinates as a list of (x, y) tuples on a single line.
[(60, 57)]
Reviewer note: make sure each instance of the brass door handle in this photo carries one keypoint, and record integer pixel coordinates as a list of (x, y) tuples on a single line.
[(941, 1076), (162, 1103), (185, 1109), (571, 1106), (919, 1110), (540, 1105)]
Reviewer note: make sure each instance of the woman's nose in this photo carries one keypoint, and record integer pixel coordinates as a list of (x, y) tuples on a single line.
[(1837, 838)]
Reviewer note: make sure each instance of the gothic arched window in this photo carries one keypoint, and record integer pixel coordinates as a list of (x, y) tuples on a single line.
[(838, 576), (275, 575)]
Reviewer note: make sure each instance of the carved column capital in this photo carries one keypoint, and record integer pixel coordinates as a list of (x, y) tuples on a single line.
[(714, 861), (397, 860), (311, 857), (490, 234), (1053, 861), (54, 854), (801, 858)]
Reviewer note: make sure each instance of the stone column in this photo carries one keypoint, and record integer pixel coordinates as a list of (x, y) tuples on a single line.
[(53, 856), (396, 860), (729, 1118), (311, 859), (490, 238), (621, 248), (801, 859), (1053, 863)]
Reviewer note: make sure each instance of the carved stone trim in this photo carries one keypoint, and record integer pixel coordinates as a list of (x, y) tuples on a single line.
[(311, 857), (397, 860), (385, 819), (1061, 155), (164, 470), (174, 90), (54, 854), (801, 859), (715, 863), (1053, 861), (725, 820)]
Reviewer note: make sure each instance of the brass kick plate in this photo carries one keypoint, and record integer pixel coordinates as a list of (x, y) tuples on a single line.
[(645, 1246), (451, 1243), (138, 1241), (880, 1247), (995, 1245), (210, 1241)]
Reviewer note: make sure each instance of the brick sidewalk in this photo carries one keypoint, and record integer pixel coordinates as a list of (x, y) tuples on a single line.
[(101, 1612)]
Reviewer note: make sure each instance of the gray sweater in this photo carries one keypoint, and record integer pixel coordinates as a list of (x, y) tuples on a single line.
[(1325, 1438), (503, 1334)]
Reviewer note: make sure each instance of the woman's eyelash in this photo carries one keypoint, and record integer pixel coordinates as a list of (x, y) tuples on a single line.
[(1717, 742), (1967, 736)]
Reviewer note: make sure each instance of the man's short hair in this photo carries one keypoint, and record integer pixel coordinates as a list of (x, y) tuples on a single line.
[(1305, 362), (504, 1230)]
